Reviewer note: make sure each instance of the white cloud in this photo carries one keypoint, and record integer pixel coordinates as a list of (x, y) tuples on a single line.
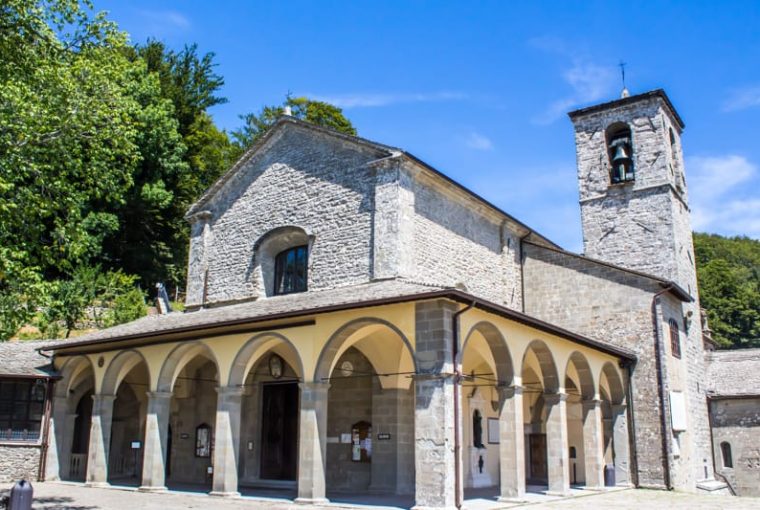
[(163, 20), (588, 80), (478, 142), (724, 195), (743, 98), (365, 100)]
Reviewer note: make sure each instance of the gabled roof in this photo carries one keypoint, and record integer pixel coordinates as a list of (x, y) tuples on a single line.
[(384, 151), (733, 373)]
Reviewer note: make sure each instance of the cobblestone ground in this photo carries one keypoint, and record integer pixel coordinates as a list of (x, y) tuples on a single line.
[(58, 496)]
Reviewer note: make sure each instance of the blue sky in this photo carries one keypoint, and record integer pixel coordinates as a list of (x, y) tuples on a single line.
[(480, 90)]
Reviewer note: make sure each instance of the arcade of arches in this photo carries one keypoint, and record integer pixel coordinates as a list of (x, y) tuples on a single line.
[(359, 401)]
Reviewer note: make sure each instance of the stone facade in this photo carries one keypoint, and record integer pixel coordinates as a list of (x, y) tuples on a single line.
[(19, 462)]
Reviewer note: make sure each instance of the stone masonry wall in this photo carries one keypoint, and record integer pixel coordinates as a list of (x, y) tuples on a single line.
[(612, 306), (737, 422), (19, 462), (304, 179)]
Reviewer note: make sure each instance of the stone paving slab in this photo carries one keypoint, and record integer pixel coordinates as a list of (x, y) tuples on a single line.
[(64, 496)]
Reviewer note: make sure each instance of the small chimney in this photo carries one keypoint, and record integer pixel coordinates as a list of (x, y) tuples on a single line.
[(162, 300)]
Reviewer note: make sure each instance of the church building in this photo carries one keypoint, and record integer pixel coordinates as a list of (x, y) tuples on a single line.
[(356, 322)]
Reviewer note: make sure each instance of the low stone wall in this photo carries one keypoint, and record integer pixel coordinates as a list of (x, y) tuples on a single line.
[(19, 462)]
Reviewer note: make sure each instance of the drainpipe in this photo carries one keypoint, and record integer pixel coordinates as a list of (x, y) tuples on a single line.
[(457, 381), (634, 455), (661, 388), (46, 429)]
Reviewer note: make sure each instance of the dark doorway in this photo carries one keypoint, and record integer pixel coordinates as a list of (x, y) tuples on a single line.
[(279, 431), (538, 472)]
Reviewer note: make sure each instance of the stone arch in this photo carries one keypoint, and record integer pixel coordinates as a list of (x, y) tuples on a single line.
[(502, 358), (255, 348), (266, 248), (72, 372), (614, 383), (549, 373), (585, 375), (345, 337), (118, 369), (178, 358)]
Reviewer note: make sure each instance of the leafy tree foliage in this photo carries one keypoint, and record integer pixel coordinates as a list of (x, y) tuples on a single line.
[(728, 270), (316, 112)]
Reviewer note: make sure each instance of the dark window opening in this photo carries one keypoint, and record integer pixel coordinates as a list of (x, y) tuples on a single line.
[(620, 151), (725, 450), (290, 270), (203, 440), (675, 340), (22, 405)]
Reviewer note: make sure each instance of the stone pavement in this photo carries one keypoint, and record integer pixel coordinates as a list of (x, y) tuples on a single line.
[(66, 496)]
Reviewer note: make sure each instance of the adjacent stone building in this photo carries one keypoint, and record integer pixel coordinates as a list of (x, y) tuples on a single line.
[(357, 322)]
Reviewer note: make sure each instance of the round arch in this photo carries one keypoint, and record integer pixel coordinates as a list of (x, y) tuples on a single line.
[(585, 375), (178, 358), (345, 337), (255, 348), (549, 373), (497, 344), (118, 369), (614, 383), (72, 371)]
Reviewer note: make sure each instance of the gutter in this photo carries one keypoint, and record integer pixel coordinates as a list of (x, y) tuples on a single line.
[(661, 389), (458, 492)]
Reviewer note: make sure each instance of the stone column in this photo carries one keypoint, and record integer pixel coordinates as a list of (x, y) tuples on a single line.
[(511, 443), (227, 441), (312, 443), (620, 444), (558, 462), (155, 450), (57, 459), (593, 443), (100, 440)]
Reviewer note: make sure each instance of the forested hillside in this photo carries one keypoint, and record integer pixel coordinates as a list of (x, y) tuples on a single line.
[(104, 144), (728, 270)]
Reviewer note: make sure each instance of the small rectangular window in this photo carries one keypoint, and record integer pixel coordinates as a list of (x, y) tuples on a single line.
[(675, 339), (21, 409), (290, 270)]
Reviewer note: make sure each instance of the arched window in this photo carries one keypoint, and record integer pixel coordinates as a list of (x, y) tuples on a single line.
[(725, 450), (620, 152), (290, 267), (675, 338)]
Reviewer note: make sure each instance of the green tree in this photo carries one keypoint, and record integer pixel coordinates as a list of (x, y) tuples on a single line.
[(316, 112), (728, 270)]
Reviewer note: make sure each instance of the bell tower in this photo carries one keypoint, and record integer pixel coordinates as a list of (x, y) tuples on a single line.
[(634, 203)]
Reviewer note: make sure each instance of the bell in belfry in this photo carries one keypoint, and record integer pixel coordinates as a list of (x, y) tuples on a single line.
[(621, 160)]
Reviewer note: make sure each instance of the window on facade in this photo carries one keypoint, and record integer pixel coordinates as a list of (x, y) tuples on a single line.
[(725, 450), (22, 404), (290, 270), (675, 338), (620, 151), (203, 441)]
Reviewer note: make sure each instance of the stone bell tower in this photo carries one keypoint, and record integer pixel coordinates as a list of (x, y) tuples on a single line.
[(634, 203), (635, 214)]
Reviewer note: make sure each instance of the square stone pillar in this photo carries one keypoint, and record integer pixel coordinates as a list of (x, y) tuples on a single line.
[(620, 443), (312, 443), (155, 450), (100, 440), (558, 461), (436, 461), (593, 444), (511, 443), (388, 460), (227, 441)]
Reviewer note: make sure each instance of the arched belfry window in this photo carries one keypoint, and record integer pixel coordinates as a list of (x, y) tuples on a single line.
[(290, 270), (620, 152), (675, 339), (725, 450)]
